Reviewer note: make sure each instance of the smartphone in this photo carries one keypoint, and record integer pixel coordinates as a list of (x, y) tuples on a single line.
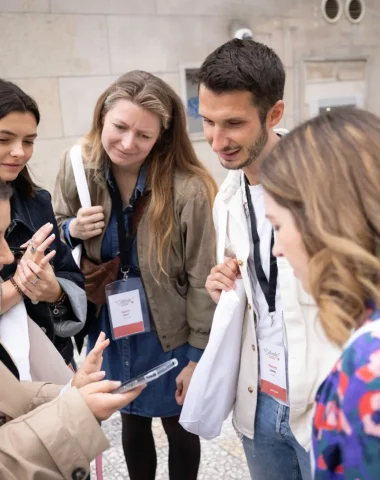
[(147, 376)]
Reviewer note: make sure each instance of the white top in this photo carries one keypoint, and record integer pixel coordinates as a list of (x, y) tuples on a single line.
[(265, 331)]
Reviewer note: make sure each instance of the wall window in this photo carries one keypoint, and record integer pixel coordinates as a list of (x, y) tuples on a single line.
[(189, 92)]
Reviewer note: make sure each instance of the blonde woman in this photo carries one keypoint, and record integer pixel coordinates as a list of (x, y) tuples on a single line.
[(138, 154), (322, 195)]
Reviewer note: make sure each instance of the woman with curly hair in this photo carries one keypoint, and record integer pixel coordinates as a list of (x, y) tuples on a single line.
[(322, 195)]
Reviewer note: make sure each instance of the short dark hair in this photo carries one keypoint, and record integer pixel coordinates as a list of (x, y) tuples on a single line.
[(13, 99), (245, 65), (5, 191)]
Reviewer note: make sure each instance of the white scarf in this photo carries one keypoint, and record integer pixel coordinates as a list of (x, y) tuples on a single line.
[(14, 335)]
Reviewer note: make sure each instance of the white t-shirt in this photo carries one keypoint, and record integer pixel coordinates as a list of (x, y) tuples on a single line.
[(264, 331)]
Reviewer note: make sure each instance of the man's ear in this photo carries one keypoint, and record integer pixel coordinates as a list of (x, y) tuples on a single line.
[(275, 114)]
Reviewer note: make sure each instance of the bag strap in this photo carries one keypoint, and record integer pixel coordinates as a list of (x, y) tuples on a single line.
[(373, 326), (80, 176)]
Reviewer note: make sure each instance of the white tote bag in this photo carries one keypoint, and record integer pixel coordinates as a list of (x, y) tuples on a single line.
[(212, 390), (82, 187)]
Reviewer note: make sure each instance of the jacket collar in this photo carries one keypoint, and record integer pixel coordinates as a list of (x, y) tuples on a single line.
[(20, 213)]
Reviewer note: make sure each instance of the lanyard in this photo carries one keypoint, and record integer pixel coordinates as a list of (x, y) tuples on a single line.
[(268, 287), (8, 362), (125, 239)]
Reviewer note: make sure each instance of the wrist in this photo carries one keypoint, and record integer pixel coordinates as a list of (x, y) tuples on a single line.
[(192, 364), (16, 286), (58, 295), (72, 226)]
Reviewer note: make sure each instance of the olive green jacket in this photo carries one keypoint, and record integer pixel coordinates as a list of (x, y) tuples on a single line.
[(181, 308)]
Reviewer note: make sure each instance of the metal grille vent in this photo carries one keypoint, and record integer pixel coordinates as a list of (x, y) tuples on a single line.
[(355, 10), (331, 10)]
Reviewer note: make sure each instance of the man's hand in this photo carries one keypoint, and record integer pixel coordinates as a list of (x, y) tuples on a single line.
[(222, 277), (89, 371), (183, 382)]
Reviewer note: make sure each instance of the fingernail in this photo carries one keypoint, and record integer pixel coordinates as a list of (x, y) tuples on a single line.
[(117, 384), (101, 374)]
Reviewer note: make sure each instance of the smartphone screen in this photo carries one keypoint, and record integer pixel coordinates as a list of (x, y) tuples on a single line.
[(147, 377)]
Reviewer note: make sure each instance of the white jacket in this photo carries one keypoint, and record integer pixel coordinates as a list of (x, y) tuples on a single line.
[(310, 355)]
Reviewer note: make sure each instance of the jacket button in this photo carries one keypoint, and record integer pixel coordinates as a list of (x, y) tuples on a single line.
[(253, 348), (249, 306), (167, 346), (78, 474), (250, 389), (241, 263), (164, 337)]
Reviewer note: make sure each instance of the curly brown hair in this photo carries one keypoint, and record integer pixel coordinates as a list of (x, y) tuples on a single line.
[(327, 173)]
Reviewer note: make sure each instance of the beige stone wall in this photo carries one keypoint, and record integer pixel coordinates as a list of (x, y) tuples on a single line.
[(66, 52)]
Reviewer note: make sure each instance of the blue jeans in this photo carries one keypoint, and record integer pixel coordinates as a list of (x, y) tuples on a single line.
[(274, 453)]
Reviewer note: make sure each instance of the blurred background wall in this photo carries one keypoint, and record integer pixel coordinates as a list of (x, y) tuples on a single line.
[(66, 52)]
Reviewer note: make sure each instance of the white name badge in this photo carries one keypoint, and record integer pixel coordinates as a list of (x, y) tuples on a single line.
[(273, 370), (127, 308)]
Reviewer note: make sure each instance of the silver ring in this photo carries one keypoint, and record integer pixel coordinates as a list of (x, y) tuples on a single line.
[(32, 247), (35, 280), (35, 302)]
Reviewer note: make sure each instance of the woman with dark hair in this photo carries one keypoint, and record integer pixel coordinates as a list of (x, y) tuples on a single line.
[(322, 195), (147, 183), (49, 283)]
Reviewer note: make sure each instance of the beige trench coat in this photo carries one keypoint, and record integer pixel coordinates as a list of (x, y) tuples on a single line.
[(44, 436)]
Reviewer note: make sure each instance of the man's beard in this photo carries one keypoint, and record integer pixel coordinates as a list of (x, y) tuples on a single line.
[(253, 152)]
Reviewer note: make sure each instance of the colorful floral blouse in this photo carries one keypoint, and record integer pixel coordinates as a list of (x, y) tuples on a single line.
[(346, 427)]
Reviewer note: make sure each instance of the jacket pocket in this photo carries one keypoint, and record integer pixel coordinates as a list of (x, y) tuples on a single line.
[(180, 287)]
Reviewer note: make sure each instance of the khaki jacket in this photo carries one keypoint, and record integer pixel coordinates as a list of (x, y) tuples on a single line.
[(43, 435), (181, 308)]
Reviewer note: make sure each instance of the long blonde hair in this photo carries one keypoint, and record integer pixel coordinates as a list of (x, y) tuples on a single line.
[(327, 173), (172, 152)]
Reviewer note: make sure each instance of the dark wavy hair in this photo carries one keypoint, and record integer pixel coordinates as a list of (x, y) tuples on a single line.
[(13, 99)]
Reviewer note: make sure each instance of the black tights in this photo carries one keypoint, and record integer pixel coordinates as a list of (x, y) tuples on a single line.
[(140, 451)]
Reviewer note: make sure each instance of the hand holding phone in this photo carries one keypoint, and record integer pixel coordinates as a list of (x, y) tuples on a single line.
[(147, 377)]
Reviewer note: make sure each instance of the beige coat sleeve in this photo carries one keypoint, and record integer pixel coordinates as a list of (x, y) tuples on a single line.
[(199, 238), (57, 440)]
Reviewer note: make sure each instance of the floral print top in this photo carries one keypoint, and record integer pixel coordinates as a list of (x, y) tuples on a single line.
[(346, 426)]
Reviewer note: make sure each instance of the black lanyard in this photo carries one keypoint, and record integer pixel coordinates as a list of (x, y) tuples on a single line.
[(268, 287), (8, 362), (125, 239)]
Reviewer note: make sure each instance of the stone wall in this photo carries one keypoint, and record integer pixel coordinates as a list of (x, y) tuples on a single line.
[(66, 52)]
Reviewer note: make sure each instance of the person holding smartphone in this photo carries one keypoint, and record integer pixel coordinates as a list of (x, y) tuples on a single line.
[(50, 284), (46, 431)]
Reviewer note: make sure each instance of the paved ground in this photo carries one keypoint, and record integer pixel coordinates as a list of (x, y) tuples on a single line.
[(222, 458)]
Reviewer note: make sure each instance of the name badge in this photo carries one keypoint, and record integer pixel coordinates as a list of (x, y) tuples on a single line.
[(273, 370), (127, 308)]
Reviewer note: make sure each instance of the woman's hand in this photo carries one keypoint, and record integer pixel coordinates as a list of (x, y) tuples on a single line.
[(89, 371), (37, 245), (88, 223), (102, 402), (38, 282)]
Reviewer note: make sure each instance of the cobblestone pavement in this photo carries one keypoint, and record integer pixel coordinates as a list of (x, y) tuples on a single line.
[(222, 458)]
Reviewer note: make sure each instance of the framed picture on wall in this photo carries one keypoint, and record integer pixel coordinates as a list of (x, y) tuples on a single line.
[(189, 93)]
